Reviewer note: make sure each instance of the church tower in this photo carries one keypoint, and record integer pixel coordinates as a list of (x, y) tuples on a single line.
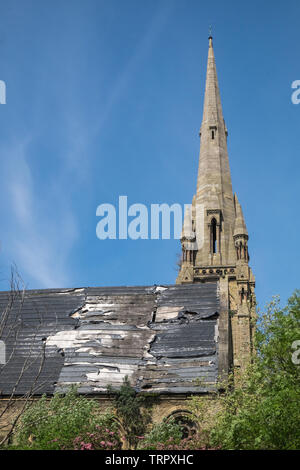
[(214, 236)]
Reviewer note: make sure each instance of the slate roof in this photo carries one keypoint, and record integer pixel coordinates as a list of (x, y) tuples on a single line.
[(162, 337)]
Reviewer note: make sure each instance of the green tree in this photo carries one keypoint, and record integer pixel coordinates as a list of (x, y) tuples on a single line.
[(261, 409)]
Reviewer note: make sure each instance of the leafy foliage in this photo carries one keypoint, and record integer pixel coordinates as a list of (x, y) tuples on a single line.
[(133, 410), (168, 436), (100, 439), (262, 410), (162, 434), (56, 423)]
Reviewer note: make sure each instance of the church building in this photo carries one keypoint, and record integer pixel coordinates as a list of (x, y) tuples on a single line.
[(170, 340)]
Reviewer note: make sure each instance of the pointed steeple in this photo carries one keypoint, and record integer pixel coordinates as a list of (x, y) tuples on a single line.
[(214, 234), (213, 164), (240, 225), (214, 238), (212, 110), (214, 188)]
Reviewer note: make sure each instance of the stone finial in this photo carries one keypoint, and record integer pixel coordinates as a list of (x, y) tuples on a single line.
[(239, 225), (187, 229)]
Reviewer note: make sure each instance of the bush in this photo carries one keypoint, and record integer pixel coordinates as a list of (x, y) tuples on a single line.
[(101, 439), (194, 442), (168, 436), (58, 422), (162, 434)]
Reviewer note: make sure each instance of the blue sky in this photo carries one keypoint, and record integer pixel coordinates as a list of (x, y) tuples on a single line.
[(104, 98)]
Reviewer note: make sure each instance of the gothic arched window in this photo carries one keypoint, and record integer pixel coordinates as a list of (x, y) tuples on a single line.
[(213, 235), (185, 420)]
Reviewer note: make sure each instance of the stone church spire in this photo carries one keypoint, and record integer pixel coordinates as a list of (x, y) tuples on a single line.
[(213, 132), (214, 197), (214, 237)]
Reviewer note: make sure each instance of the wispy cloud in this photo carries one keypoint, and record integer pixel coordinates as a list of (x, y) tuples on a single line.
[(41, 226), (38, 245)]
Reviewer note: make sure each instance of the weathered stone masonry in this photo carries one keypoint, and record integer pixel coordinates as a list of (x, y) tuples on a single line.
[(214, 236), (173, 341)]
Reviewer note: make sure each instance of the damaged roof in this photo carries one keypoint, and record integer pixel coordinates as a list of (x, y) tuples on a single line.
[(164, 338)]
